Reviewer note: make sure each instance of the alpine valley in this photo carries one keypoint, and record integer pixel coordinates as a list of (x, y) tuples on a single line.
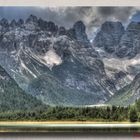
[(43, 64)]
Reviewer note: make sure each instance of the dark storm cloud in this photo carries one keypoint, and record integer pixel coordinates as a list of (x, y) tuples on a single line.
[(106, 10), (93, 17), (120, 13)]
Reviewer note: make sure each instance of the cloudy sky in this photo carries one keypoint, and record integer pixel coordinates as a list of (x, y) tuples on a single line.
[(93, 17)]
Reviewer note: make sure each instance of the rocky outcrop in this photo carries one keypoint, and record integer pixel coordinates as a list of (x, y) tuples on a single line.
[(80, 33), (13, 24), (31, 18), (130, 44), (115, 40), (109, 36)]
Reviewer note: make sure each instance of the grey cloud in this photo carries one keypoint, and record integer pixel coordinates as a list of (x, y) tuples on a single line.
[(93, 17), (120, 13)]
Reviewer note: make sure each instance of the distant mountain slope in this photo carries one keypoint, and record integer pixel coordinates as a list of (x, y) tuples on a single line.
[(54, 93), (128, 95), (13, 98)]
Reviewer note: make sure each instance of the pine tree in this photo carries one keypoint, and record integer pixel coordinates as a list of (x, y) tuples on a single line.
[(133, 115), (138, 104)]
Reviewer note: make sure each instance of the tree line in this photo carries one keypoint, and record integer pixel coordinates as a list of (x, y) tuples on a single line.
[(102, 113)]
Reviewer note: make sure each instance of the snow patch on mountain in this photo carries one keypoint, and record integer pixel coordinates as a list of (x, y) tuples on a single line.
[(51, 58)]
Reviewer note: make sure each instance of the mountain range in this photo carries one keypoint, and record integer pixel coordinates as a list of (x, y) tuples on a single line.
[(52, 65)]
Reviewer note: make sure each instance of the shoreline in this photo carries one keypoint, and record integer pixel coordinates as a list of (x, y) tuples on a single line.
[(66, 122)]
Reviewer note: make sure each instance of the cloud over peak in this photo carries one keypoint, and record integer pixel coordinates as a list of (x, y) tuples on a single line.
[(93, 17)]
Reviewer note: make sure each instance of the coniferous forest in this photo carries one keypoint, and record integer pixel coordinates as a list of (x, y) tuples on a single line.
[(99, 114)]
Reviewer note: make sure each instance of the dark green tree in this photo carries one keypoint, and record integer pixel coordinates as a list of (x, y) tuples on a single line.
[(138, 104), (133, 115)]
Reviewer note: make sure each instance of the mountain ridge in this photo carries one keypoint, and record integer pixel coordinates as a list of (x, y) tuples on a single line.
[(37, 53)]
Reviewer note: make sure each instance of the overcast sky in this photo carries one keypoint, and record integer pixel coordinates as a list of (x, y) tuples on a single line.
[(93, 17)]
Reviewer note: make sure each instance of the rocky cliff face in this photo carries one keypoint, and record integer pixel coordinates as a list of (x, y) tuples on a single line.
[(109, 36), (55, 65), (119, 49), (114, 39), (130, 42)]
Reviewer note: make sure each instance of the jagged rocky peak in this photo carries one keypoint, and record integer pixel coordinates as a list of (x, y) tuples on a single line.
[(80, 33), (109, 36), (110, 26), (42, 23), (113, 38), (4, 25), (71, 33), (61, 30), (31, 18), (31, 23), (4, 22), (47, 25), (20, 22), (13, 23), (79, 27), (130, 43), (52, 27)]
